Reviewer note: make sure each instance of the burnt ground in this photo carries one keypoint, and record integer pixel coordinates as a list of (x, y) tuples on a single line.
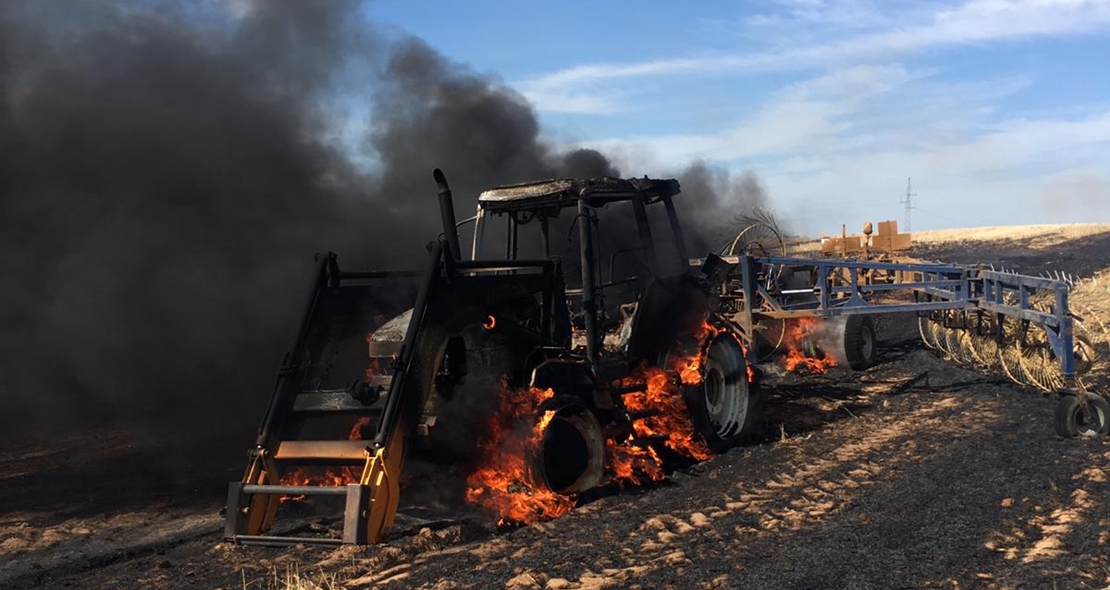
[(864, 480)]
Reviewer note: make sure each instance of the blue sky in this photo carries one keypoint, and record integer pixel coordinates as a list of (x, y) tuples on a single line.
[(998, 109)]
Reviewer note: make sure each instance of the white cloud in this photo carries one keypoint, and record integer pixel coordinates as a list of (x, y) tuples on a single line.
[(850, 14), (837, 146), (807, 115), (976, 21), (574, 102), (826, 150), (1001, 177)]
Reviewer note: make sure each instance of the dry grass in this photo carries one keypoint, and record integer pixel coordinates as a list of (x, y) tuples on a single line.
[(1039, 236), (293, 579)]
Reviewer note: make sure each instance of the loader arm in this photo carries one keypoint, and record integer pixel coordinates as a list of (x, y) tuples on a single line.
[(387, 451), (372, 501)]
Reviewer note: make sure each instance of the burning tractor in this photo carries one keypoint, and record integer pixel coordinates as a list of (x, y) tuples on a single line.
[(606, 353)]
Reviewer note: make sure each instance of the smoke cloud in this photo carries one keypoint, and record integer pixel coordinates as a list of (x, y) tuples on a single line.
[(167, 171), (161, 184), (715, 203)]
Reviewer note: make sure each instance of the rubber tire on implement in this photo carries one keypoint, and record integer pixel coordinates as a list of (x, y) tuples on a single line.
[(860, 342), (1067, 420)]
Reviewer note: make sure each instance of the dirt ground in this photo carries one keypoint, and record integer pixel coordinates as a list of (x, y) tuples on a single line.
[(864, 480)]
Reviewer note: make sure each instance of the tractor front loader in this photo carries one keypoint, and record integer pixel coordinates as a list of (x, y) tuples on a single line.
[(450, 297)]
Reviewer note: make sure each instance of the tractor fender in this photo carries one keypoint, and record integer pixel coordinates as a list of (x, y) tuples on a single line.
[(670, 307)]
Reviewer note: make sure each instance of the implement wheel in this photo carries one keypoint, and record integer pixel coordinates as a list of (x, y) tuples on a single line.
[(1071, 421), (861, 346)]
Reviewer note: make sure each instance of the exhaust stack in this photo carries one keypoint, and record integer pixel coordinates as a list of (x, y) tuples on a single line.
[(447, 213)]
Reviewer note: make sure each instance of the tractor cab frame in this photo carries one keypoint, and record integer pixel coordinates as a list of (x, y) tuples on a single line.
[(542, 207)]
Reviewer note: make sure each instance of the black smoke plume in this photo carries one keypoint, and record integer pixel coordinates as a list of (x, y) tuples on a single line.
[(167, 171), (715, 204)]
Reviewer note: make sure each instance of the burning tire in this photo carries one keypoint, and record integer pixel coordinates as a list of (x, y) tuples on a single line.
[(860, 343), (571, 454), (724, 407)]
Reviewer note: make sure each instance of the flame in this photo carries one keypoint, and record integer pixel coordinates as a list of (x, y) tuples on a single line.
[(667, 415), (503, 481), (309, 476), (490, 323), (664, 409), (356, 430), (744, 353), (373, 369), (634, 465), (795, 359), (544, 420), (689, 365)]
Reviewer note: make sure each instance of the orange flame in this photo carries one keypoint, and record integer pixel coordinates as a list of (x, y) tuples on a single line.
[(309, 476), (664, 411), (667, 415), (744, 352), (356, 430), (503, 481), (490, 323), (804, 329), (689, 365), (373, 369), (634, 465)]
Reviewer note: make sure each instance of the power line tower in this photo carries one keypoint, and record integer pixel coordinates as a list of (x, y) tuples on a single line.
[(908, 202)]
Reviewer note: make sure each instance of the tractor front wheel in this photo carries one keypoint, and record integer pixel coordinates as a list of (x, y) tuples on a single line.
[(724, 407)]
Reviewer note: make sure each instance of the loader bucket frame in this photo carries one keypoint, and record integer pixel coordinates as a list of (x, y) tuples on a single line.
[(447, 291)]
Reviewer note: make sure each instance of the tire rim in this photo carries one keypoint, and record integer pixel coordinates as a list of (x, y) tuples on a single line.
[(866, 343), (714, 383), (725, 388), (1088, 428)]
